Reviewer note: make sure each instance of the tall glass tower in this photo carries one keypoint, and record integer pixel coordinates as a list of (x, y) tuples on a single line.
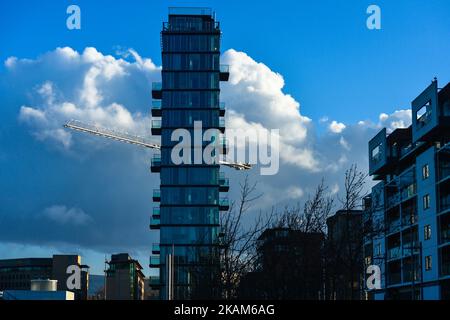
[(189, 196)]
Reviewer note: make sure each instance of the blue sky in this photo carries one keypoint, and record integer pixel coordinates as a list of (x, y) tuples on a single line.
[(332, 65), (322, 48)]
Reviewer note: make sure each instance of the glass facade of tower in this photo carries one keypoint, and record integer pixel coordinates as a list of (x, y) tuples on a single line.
[(189, 196)]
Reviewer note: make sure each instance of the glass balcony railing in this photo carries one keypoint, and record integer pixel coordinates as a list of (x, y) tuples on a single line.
[(222, 105), (224, 202), (410, 248), (156, 123), (411, 275), (221, 123), (394, 253), (444, 203), (409, 192), (393, 200), (156, 211), (444, 172), (154, 261), (394, 226), (155, 222), (156, 104), (156, 160), (445, 236), (223, 143), (445, 269), (157, 86), (409, 219), (223, 181), (155, 248), (224, 68), (156, 193), (154, 281)]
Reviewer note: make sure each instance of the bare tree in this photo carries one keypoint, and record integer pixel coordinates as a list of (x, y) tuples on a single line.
[(238, 243), (344, 250), (313, 217)]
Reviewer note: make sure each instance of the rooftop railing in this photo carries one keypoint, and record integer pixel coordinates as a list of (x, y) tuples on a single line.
[(190, 11), (192, 26)]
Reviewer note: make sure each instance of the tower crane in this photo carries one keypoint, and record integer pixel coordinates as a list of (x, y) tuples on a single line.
[(133, 139)]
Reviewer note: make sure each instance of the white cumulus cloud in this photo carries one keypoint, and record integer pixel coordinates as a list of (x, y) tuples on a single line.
[(336, 127)]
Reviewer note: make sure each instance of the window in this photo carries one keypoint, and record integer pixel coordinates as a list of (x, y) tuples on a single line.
[(376, 153), (426, 202), (427, 232), (425, 172), (428, 263)]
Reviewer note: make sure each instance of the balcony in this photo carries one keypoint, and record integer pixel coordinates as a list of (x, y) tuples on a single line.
[(156, 127), (224, 74), (394, 253), (154, 261), (157, 90), (155, 223), (224, 183), (156, 195), (222, 125), (394, 226), (409, 192), (224, 204), (445, 236), (393, 200), (444, 202), (155, 248), (192, 26), (221, 232), (410, 275), (156, 212), (223, 145), (394, 278), (411, 248), (445, 269), (156, 163), (221, 109), (409, 220), (156, 108), (155, 283), (444, 172)]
